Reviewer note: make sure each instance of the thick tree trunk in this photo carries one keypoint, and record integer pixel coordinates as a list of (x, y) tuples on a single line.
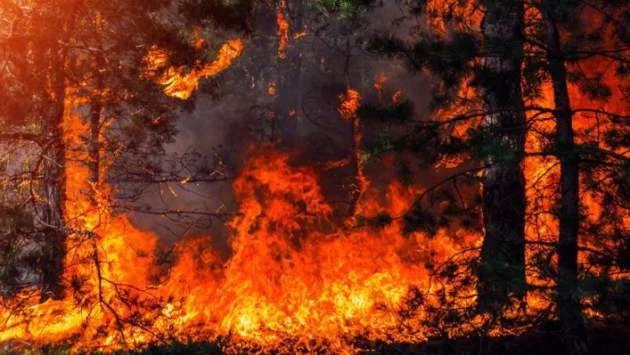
[(567, 297), (54, 167), (54, 181), (502, 271)]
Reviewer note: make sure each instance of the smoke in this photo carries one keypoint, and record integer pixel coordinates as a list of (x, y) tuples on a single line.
[(238, 107)]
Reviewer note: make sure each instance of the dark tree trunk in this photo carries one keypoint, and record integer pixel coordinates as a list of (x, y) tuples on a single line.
[(94, 145), (502, 271), (567, 298), (96, 113), (54, 166), (54, 181)]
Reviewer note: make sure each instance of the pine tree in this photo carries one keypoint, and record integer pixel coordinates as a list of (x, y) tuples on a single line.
[(572, 40), (502, 269), (487, 56)]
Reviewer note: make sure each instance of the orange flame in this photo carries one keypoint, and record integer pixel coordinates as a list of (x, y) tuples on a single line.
[(543, 172), (283, 30), (181, 84), (294, 272), (379, 84), (350, 103)]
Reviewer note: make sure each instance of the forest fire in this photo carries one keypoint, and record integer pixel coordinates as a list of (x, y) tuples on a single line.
[(314, 197), (293, 273)]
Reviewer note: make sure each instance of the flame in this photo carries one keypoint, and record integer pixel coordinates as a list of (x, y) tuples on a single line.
[(444, 15), (283, 30), (350, 103), (181, 84), (294, 272), (543, 172), (381, 78), (198, 40)]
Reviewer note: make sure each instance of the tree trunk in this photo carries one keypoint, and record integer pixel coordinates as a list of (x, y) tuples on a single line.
[(96, 109), (54, 181), (567, 297), (54, 166), (96, 113), (502, 270)]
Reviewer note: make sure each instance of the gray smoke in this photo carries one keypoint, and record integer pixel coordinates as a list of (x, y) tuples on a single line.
[(233, 110)]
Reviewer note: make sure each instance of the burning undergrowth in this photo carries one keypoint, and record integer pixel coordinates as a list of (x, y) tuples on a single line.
[(297, 277)]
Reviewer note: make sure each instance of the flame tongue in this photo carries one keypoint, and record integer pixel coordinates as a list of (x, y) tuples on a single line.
[(181, 84)]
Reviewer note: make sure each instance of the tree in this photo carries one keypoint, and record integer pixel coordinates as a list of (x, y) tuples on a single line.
[(479, 90), (569, 61), (568, 304), (77, 58), (568, 46), (502, 269), (37, 56)]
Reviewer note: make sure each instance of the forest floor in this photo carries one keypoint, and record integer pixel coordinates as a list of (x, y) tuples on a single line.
[(603, 339)]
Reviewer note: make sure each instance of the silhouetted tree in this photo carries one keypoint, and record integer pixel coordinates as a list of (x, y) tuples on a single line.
[(489, 62)]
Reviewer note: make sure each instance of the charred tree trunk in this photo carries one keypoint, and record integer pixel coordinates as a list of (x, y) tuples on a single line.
[(54, 181), (567, 296), (502, 270)]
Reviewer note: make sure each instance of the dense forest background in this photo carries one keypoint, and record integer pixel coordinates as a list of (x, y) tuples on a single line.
[(414, 176)]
